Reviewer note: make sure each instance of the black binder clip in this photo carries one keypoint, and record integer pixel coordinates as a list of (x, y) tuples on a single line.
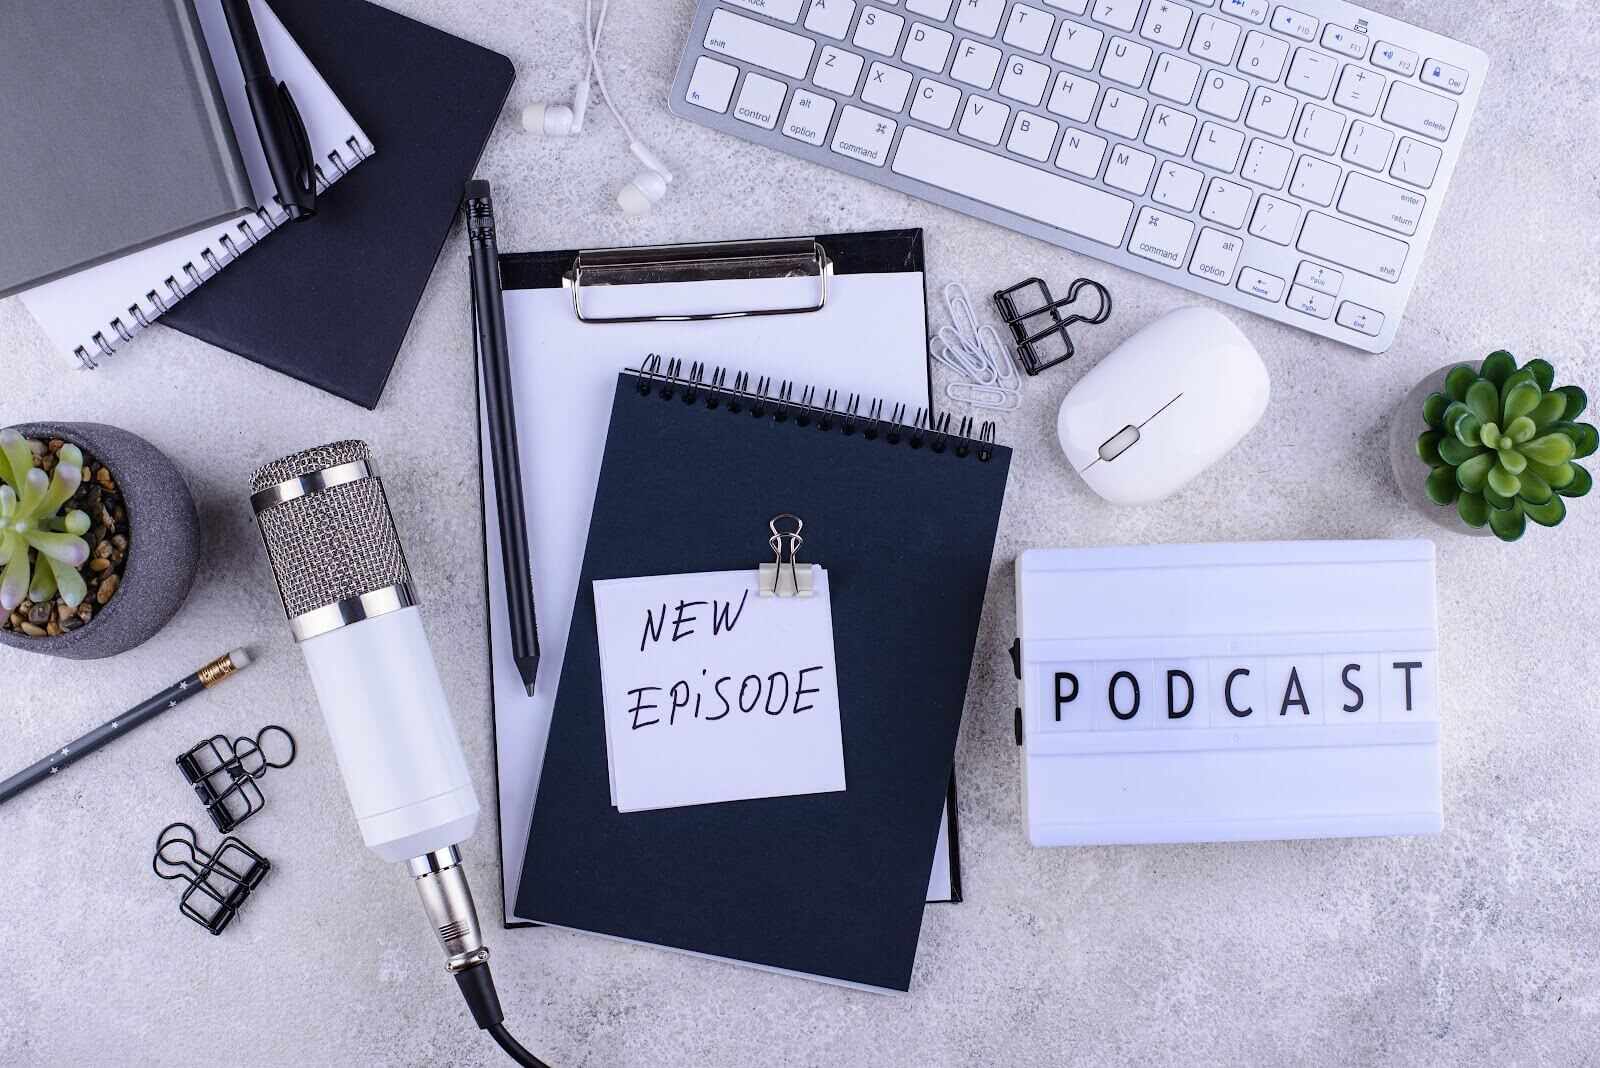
[(224, 775), (1040, 331), (219, 883), (786, 576)]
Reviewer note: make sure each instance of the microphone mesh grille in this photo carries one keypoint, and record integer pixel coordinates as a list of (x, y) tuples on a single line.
[(333, 545)]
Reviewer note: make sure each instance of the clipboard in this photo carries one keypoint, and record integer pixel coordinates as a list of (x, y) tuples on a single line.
[(753, 305)]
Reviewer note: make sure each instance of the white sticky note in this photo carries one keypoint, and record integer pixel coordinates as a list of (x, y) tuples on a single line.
[(715, 693)]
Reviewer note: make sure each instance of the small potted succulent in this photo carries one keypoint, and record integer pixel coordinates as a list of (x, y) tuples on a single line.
[(1485, 449), (99, 539)]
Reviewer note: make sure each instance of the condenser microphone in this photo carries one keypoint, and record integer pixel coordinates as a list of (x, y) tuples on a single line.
[(353, 609)]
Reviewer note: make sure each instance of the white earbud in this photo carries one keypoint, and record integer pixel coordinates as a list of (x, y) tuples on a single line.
[(558, 120), (646, 189)]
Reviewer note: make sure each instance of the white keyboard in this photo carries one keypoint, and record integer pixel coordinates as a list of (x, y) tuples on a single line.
[(1286, 159)]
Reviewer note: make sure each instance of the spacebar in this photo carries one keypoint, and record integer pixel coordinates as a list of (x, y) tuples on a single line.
[(1012, 186)]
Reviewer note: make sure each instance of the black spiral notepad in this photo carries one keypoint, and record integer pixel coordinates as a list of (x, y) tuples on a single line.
[(903, 517)]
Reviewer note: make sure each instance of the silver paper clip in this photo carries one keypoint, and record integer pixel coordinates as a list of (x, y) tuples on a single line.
[(786, 576)]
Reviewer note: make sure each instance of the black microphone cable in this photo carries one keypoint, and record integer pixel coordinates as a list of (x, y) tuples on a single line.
[(477, 986)]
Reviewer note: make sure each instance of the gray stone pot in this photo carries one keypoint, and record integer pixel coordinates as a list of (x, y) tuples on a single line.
[(163, 544), (1410, 472)]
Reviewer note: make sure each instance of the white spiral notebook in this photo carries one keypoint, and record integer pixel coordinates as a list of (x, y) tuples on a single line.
[(93, 313)]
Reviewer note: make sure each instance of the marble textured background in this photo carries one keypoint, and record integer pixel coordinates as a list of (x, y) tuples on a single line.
[(1478, 946)]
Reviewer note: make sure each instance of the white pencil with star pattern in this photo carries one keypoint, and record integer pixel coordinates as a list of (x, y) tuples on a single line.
[(170, 698)]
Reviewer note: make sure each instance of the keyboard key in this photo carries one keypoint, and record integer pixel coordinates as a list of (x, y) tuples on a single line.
[(1073, 7), (1215, 40), (1215, 256), (1359, 90), (1025, 80), (1415, 163), (1177, 187), (1402, 61), (1166, 23), (838, 70), (1161, 237), (1275, 220), (1420, 111), (934, 9), (1081, 153), (783, 10), (879, 31), (864, 136), (976, 64), (1309, 301), (1450, 79), (711, 85), (1263, 56), (1322, 279), (1226, 203), (760, 100), (1353, 246), (831, 18), (1271, 112), (886, 87), (1130, 170), (1345, 42), (1388, 206), (1219, 148), (1078, 46), (935, 103), (1268, 287), (1364, 320), (980, 16), (1249, 10), (1033, 136), (1312, 73), (760, 43), (1315, 180), (1029, 29), (1011, 186), (1126, 62), (808, 117), (1073, 96), (1121, 113), (1319, 129), (1266, 164), (1223, 96), (1174, 79), (984, 120), (1288, 21), (927, 47), (1170, 130), (1119, 14), (1368, 145)]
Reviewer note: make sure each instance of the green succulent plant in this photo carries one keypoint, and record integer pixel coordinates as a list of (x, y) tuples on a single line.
[(41, 549), (1501, 442)]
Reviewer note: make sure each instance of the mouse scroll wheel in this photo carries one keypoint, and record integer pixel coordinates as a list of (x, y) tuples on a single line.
[(1119, 443)]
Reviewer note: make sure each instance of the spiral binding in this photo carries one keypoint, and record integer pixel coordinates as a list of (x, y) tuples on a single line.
[(251, 229), (764, 398)]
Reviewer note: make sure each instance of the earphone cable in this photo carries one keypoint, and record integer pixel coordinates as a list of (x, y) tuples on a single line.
[(592, 28)]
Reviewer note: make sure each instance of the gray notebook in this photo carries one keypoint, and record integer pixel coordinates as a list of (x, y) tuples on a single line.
[(115, 134)]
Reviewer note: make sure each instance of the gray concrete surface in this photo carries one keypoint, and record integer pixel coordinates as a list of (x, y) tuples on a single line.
[(1480, 946)]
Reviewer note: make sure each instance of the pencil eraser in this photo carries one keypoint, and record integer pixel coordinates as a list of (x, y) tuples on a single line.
[(240, 658)]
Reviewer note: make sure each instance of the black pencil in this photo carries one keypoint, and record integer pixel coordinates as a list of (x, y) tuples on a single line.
[(143, 712), (488, 303)]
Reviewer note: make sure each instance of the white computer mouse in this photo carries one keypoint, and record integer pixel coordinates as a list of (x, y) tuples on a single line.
[(1164, 405)]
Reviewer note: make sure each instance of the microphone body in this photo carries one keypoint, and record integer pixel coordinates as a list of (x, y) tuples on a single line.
[(347, 592)]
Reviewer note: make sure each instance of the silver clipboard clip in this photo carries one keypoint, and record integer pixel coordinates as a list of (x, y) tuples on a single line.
[(786, 576), (802, 257)]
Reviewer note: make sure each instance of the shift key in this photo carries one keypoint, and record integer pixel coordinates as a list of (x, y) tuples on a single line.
[(1353, 246), (759, 43)]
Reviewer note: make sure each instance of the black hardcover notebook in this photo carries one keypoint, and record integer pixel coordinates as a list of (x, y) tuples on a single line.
[(903, 519), (329, 301)]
